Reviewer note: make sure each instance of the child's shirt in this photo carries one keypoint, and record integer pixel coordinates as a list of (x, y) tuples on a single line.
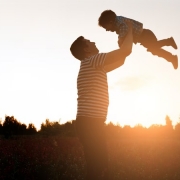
[(122, 27)]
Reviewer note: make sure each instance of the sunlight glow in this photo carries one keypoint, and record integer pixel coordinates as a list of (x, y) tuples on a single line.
[(144, 106)]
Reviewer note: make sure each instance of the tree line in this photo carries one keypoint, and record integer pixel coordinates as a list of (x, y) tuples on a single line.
[(11, 127)]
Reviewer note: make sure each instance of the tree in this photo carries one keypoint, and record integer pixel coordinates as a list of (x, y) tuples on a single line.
[(54, 128), (177, 128), (1, 127), (46, 128), (168, 122), (168, 127), (31, 129), (10, 126)]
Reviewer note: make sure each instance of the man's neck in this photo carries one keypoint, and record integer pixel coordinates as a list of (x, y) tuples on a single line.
[(91, 54)]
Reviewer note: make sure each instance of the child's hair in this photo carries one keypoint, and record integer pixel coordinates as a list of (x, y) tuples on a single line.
[(105, 17), (77, 48)]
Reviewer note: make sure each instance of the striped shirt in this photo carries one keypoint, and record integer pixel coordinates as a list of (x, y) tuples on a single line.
[(122, 28), (93, 98)]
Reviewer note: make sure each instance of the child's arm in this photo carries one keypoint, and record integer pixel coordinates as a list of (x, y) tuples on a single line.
[(115, 59), (123, 31), (120, 41)]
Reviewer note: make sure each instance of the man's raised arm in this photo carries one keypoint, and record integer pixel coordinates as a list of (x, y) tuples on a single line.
[(116, 58)]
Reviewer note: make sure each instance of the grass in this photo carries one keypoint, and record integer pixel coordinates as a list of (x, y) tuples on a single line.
[(57, 158)]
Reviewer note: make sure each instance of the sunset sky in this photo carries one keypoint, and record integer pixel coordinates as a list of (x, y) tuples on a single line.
[(38, 73)]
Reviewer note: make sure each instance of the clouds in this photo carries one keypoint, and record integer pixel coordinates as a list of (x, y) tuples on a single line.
[(131, 83)]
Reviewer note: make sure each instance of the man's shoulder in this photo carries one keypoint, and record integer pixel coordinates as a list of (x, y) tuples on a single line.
[(96, 56), (96, 61)]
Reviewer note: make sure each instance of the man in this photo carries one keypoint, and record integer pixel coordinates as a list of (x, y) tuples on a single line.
[(93, 99)]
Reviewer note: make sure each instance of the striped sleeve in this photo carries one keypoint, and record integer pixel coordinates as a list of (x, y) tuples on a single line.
[(98, 61)]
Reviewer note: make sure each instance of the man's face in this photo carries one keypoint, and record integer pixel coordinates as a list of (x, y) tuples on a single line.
[(109, 26), (91, 47)]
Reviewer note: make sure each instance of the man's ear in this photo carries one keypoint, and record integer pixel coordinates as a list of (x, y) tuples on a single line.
[(86, 50)]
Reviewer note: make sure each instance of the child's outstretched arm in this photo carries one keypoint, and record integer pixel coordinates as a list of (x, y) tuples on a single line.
[(116, 58), (120, 41), (124, 30)]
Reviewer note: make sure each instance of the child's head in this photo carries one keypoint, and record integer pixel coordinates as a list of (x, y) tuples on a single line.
[(106, 20)]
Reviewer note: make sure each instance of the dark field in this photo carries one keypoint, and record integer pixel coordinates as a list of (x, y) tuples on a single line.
[(57, 158)]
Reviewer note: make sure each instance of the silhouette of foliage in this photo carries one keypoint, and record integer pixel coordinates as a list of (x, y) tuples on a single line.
[(55, 128), (31, 130), (50, 128), (177, 129), (1, 127), (12, 127), (135, 152)]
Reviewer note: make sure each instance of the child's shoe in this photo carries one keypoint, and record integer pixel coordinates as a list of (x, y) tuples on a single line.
[(175, 61), (172, 42)]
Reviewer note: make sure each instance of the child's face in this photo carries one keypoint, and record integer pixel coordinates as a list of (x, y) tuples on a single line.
[(109, 26)]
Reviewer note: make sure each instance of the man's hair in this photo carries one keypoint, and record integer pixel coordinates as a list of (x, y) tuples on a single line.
[(77, 48), (105, 17)]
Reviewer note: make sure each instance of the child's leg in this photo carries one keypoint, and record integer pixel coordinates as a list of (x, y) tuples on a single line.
[(167, 42), (149, 40), (166, 55)]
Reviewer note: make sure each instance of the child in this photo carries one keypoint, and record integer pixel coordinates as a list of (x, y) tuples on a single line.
[(111, 22)]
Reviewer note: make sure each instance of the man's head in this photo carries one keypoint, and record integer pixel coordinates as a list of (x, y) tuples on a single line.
[(106, 20), (83, 48)]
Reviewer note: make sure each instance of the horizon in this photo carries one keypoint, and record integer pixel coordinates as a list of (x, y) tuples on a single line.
[(107, 123)]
